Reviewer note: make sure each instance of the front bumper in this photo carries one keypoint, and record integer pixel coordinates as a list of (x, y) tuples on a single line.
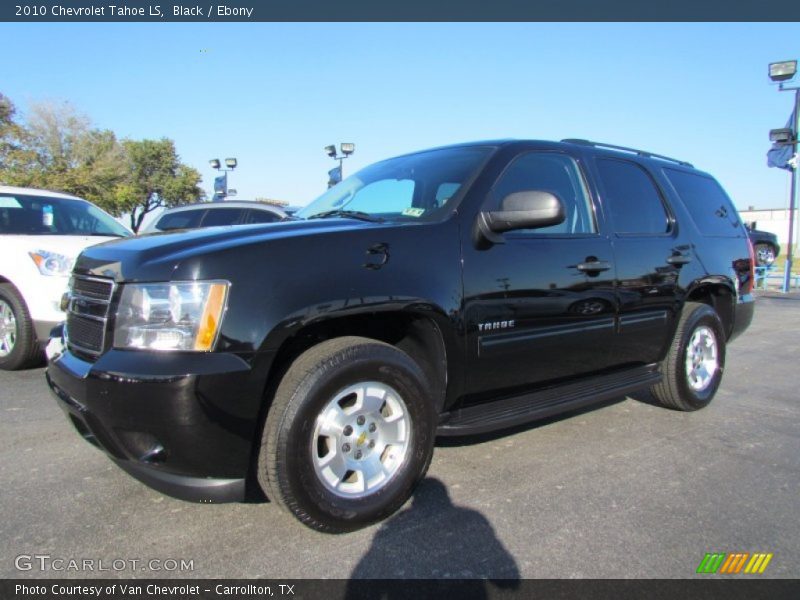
[(184, 424)]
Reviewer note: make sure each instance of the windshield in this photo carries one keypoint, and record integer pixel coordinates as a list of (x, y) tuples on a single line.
[(40, 215), (414, 187)]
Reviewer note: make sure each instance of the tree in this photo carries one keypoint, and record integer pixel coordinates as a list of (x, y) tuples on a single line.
[(13, 156), (157, 179), (58, 149)]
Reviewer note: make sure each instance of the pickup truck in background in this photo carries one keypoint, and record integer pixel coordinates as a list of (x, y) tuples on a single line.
[(765, 246)]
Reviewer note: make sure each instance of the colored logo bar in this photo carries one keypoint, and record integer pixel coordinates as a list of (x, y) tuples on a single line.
[(734, 562)]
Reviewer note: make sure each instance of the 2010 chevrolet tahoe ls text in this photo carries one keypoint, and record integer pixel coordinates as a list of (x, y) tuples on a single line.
[(452, 291)]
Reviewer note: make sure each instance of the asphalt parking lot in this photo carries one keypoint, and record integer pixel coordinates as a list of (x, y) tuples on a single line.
[(626, 489)]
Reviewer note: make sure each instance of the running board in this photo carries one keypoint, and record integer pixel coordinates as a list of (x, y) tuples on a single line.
[(547, 402)]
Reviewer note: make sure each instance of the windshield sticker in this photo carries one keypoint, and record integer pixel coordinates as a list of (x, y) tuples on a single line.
[(9, 202), (413, 211)]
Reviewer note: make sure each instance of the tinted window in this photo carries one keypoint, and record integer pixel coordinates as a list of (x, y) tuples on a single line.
[(221, 216), (445, 192), (262, 216), (40, 215), (383, 197), (549, 172), (413, 187), (185, 219), (706, 201), (631, 198)]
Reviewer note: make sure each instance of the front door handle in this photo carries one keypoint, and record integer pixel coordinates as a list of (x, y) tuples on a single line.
[(593, 266), (679, 259)]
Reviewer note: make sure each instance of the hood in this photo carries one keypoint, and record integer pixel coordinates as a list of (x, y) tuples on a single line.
[(130, 258)]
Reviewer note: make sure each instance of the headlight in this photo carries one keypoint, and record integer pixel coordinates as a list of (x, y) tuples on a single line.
[(170, 316), (51, 263)]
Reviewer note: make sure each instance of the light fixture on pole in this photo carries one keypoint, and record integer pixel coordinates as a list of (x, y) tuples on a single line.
[(781, 72), (221, 182), (336, 175)]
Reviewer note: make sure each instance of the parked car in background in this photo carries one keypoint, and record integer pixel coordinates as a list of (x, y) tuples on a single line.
[(765, 246), (41, 233), (210, 214)]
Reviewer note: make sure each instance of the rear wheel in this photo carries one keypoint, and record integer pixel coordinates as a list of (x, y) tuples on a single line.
[(765, 255), (18, 347), (692, 370), (349, 434)]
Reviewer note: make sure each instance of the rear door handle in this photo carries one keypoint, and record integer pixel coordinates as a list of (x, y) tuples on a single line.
[(679, 259), (595, 265)]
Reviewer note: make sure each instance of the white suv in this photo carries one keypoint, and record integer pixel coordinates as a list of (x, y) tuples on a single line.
[(41, 234)]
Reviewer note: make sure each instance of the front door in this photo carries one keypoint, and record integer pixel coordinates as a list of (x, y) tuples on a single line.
[(541, 306)]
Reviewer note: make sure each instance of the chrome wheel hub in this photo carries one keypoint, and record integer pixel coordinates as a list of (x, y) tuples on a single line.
[(765, 255), (701, 359), (8, 329), (361, 439)]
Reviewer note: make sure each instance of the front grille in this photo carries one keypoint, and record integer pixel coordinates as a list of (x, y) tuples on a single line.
[(87, 314), (99, 289), (86, 333)]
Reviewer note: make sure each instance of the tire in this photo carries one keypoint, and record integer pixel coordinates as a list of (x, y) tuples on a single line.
[(693, 368), (342, 472), (765, 255), (18, 347)]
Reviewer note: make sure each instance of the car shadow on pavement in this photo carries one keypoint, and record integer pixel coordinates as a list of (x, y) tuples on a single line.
[(434, 539), (647, 397)]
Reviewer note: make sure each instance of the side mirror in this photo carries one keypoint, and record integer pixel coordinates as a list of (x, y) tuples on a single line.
[(528, 209)]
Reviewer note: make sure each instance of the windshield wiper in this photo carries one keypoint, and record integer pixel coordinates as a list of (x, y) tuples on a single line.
[(352, 214)]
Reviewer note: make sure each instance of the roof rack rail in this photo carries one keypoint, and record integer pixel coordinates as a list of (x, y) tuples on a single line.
[(625, 149)]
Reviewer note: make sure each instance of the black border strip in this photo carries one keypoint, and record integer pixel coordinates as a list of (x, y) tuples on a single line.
[(400, 10), (741, 588)]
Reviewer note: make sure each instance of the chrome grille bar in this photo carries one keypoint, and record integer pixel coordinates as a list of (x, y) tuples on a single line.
[(87, 314)]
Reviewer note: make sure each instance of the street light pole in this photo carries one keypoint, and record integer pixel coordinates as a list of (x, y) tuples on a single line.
[(231, 164), (781, 73), (347, 149), (787, 278)]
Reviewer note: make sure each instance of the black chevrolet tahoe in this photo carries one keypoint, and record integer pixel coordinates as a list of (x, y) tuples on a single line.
[(448, 292)]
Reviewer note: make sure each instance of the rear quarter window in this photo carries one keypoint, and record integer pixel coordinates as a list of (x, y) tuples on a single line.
[(706, 202)]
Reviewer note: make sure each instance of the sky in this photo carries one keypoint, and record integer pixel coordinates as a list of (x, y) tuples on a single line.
[(273, 94)]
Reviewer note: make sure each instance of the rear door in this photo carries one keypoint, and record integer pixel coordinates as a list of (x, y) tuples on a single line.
[(541, 306), (650, 252)]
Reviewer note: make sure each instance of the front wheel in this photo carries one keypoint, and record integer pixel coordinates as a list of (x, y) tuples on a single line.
[(692, 370), (349, 434), (18, 347)]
